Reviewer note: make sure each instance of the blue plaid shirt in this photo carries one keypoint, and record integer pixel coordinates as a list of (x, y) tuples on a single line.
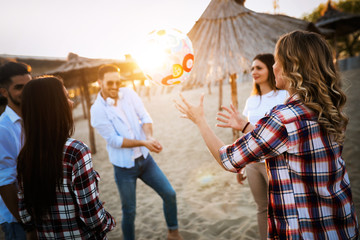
[(309, 188)]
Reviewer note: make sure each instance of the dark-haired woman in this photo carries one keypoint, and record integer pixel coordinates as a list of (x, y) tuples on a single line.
[(58, 195)]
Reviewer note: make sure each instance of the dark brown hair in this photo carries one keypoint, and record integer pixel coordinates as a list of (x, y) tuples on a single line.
[(268, 60), (107, 68), (47, 122), (11, 69)]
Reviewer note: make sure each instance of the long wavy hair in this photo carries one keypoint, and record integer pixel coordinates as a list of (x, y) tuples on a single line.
[(268, 60), (47, 123), (307, 65)]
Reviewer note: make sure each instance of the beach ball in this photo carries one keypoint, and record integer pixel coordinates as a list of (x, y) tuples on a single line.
[(167, 58)]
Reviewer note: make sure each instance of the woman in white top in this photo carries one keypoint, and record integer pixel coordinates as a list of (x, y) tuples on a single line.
[(263, 98)]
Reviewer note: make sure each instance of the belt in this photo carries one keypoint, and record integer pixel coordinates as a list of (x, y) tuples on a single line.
[(139, 158)]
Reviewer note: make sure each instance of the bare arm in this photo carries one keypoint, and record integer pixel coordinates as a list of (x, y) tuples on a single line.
[(148, 130), (197, 116), (150, 143), (9, 195)]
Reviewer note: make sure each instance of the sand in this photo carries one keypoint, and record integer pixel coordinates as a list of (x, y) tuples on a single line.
[(211, 204)]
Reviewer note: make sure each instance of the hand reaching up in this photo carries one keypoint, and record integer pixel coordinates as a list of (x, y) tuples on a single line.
[(232, 119), (194, 113)]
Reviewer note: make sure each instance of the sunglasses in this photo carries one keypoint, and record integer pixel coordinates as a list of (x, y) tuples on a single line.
[(111, 83)]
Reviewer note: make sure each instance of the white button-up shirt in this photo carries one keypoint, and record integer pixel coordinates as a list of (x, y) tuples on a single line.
[(113, 127), (10, 146)]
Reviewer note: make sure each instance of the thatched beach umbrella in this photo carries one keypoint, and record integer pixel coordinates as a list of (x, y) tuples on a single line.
[(341, 23), (80, 72), (228, 36)]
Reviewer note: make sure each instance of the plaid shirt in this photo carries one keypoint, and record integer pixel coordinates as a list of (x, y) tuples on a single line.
[(78, 213), (309, 188)]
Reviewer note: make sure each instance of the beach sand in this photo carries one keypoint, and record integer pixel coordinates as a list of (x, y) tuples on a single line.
[(211, 204)]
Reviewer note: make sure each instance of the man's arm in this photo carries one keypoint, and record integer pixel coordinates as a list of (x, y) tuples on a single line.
[(150, 143), (148, 130), (9, 195)]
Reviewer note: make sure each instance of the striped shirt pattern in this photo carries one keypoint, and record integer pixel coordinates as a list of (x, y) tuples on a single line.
[(309, 188), (78, 212)]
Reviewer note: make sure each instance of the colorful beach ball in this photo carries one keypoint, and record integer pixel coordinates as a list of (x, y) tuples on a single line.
[(167, 58)]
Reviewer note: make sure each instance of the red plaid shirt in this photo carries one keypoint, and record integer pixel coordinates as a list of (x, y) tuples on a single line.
[(309, 188), (78, 213)]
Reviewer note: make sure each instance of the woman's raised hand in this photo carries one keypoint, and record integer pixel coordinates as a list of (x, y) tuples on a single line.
[(232, 119), (194, 113)]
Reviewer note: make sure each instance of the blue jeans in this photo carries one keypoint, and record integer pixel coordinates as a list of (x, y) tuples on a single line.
[(149, 172), (13, 231)]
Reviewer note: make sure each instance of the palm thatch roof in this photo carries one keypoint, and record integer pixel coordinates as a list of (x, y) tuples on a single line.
[(77, 67), (75, 62), (341, 22), (39, 65), (228, 36)]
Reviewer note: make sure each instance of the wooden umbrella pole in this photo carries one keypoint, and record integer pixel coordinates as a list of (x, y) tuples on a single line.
[(82, 101), (234, 100), (220, 93), (88, 105)]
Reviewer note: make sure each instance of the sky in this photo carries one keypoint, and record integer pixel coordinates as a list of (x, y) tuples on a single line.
[(106, 28)]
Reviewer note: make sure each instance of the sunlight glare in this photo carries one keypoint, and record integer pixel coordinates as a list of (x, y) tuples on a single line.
[(152, 57)]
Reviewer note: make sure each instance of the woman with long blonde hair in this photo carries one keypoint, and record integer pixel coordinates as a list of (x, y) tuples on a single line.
[(301, 142)]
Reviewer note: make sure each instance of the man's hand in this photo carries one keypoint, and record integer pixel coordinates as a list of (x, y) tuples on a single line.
[(153, 145)]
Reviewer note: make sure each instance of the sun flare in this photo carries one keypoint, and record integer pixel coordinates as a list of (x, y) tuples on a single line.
[(152, 57), (166, 57)]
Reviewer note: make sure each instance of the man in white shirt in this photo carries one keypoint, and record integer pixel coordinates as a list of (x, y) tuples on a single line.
[(120, 117), (13, 77)]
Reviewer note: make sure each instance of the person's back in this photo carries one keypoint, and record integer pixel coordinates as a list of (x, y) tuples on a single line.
[(67, 205), (76, 199), (313, 177)]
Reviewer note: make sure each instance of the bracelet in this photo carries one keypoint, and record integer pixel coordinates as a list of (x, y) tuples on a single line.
[(247, 124)]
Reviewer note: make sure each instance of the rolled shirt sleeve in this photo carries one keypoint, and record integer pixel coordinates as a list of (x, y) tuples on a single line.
[(85, 180), (267, 140), (9, 148)]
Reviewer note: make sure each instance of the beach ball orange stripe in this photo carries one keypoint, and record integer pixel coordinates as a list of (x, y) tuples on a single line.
[(188, 59)]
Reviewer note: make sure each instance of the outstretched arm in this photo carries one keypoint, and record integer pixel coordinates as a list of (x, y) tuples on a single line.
[(197, 116)]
